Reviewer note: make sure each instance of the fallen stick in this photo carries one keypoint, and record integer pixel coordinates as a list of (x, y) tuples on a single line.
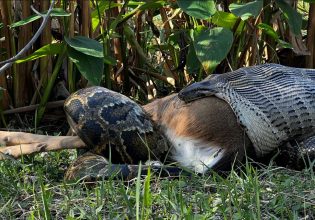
[(17, 144), (54, 104)]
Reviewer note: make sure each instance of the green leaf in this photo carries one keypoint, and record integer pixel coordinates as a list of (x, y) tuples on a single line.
[(90, 67), (152, 5), (86, 45), (192, 62), (109, 60), (147, 196), (49, 49), (212, 46), (309, 1), (244, 11), (102, 6), (227, 20), (56, 12), (292, 16), (268, 30), (201, 9), (284, 44)]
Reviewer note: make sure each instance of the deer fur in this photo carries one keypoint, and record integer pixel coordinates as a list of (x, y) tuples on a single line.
[(207, 123)]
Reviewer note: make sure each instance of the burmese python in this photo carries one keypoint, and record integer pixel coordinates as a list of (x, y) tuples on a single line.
[(115, 127), (275, 104)]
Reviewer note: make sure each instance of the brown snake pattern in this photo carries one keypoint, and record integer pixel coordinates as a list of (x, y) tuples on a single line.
[(114, 126)]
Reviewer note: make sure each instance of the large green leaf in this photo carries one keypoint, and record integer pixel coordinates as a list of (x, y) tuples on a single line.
[(192, 62), (244, 11), (309, 1), (49, 49), (227, 20), (202, 9), (152, 4), (268, 30), (56, 12), (293, 17), (86, 45), (89, 66), (212, 46)]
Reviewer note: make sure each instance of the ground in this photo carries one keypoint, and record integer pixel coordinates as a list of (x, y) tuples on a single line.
[(33, 188)]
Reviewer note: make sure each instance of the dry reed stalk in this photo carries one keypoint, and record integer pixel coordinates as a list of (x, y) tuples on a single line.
[(85, 17), (5, 18), (310, 60), (46, 37), (23, 80), (71, 34), (85, 25)]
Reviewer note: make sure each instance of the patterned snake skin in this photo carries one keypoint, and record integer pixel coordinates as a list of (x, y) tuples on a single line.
[(275, 104), (112, 125)]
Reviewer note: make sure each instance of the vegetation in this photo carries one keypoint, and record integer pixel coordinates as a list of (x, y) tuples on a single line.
[(33, 189), (144, 49)]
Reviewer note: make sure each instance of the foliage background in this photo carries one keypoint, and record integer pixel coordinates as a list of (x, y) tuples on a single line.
[(144, 49)]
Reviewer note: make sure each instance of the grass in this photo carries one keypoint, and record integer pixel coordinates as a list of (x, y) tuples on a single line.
[(33, 188)]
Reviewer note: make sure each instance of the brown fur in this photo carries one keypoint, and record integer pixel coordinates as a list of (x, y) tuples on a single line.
[(210, 119)]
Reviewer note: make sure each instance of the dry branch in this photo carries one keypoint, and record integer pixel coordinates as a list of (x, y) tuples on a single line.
[(9, 62), (54, 104), (21, 143)]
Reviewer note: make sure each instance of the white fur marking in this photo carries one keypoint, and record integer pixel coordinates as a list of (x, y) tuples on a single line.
[(194, 154)]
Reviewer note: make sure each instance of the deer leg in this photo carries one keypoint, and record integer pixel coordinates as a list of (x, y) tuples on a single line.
[(21, 143)]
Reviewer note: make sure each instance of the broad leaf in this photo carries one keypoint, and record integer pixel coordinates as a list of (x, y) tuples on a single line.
[(212, 46), (284, 44), (272, 33), (201, 9), (89, 66), (309, 1), (268, 30), (143, 5), (56, 12), (293, 17), (86, 45), (152, 5), (192, 63), (244, 11), (227, 20), (49, 49), (109, 60)]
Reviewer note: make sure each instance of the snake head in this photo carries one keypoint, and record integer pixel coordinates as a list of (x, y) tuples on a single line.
[(198, 90)]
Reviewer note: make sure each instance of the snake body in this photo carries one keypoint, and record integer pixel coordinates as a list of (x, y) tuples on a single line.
[(275, 105), (114, 126)]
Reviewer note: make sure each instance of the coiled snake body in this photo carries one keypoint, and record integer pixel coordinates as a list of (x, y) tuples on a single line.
[(106, 120), (275, 105)]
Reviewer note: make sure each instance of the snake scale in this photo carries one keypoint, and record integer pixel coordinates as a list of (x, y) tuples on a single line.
[(275, 105)]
